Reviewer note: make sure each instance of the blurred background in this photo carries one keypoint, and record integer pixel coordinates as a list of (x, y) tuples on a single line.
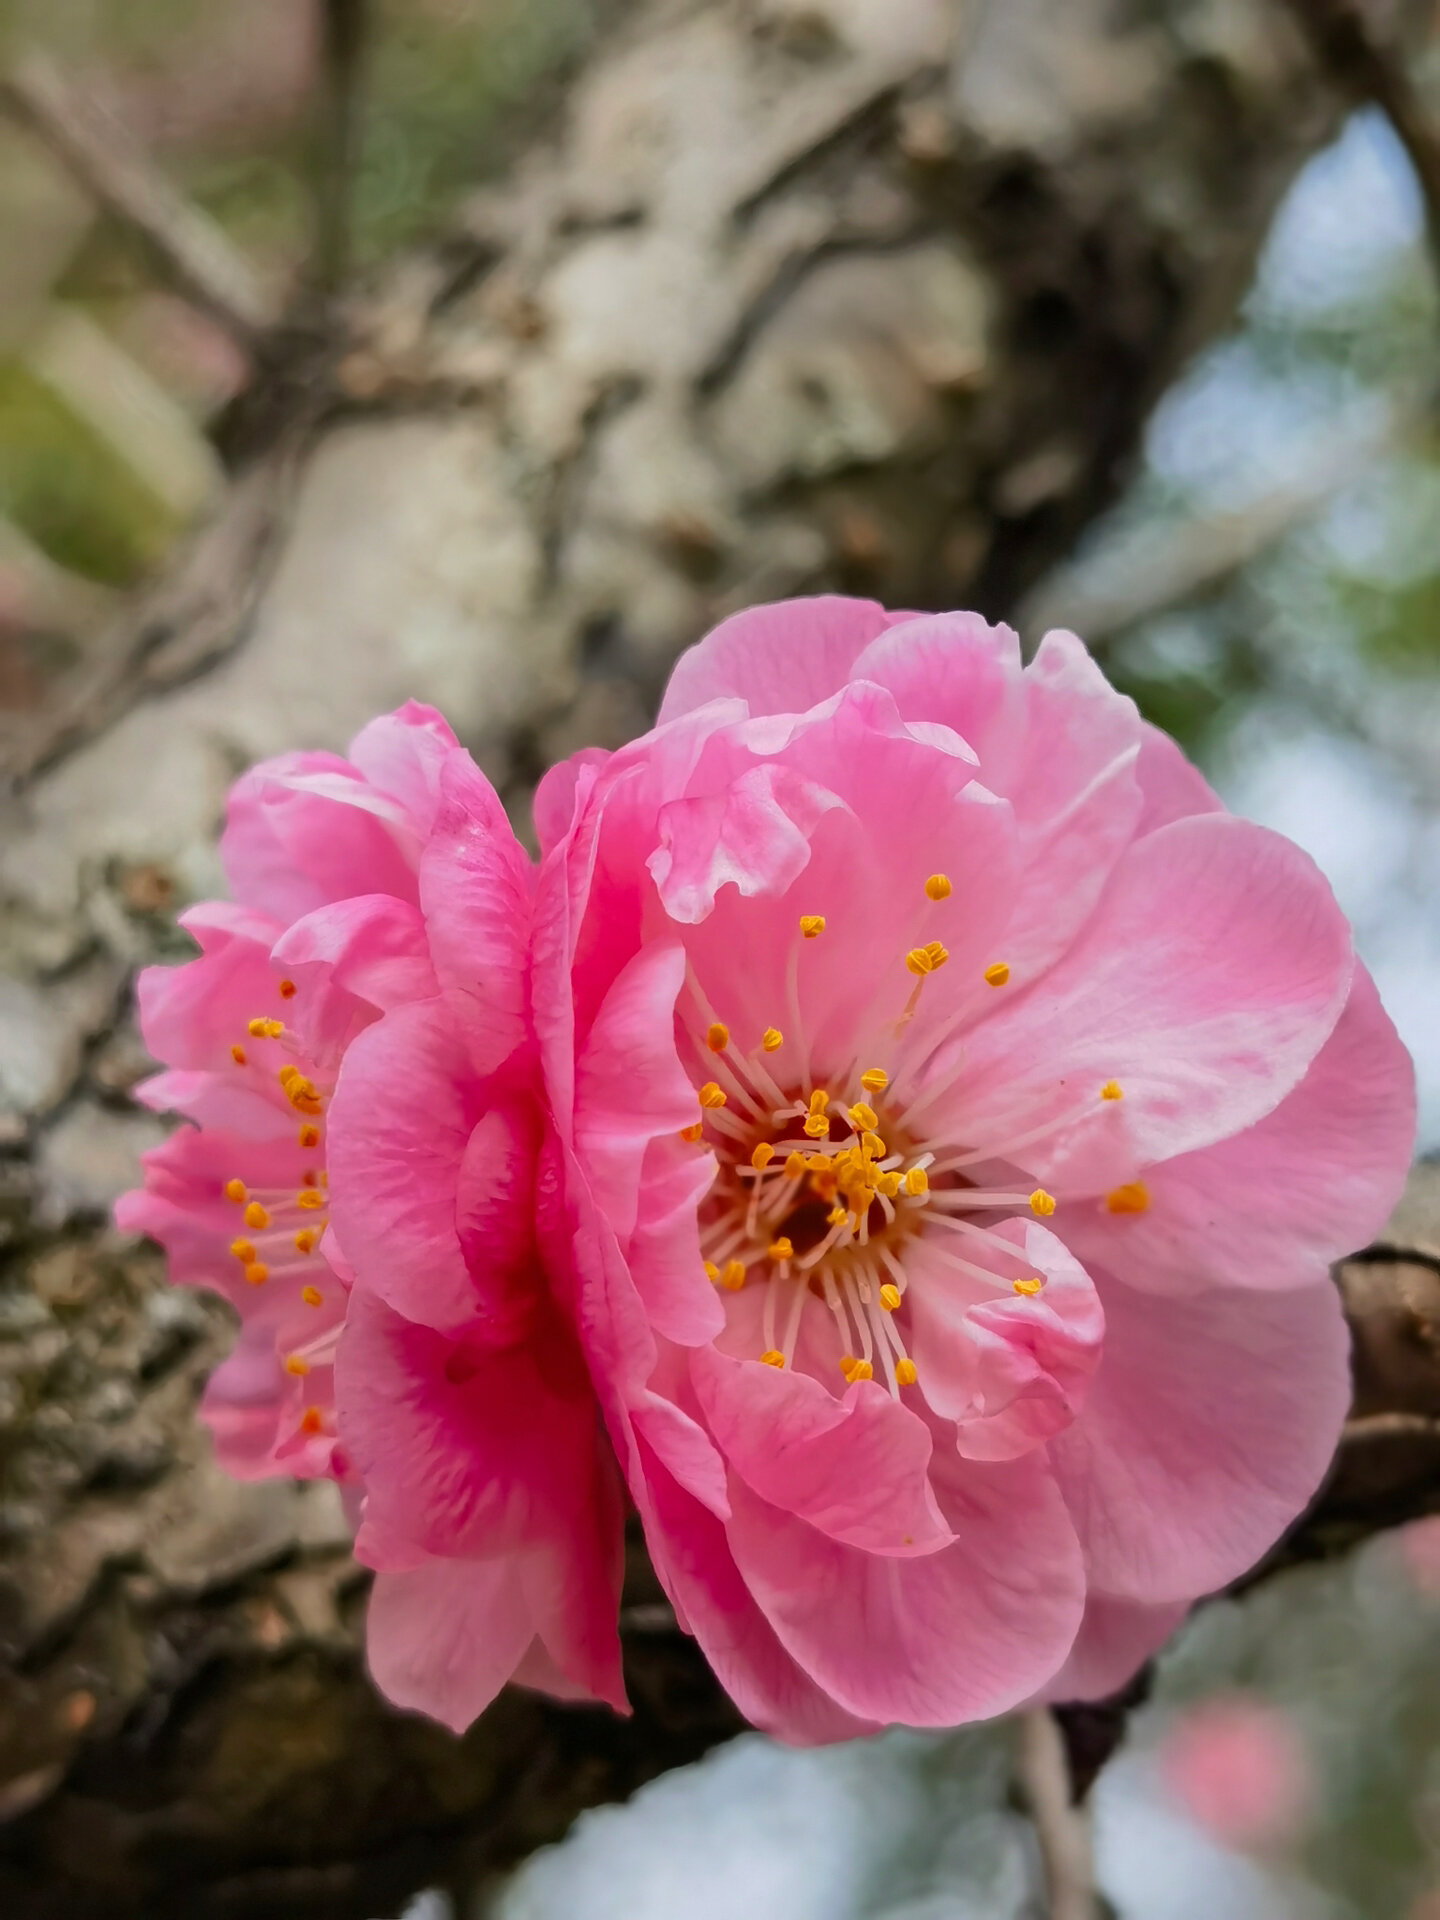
[(497, 399)]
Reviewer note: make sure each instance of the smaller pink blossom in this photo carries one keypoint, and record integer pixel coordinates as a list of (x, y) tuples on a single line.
[(1240, 1768), (353, 1052)]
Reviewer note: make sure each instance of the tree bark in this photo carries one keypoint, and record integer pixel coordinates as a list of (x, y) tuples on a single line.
[(866, 294)]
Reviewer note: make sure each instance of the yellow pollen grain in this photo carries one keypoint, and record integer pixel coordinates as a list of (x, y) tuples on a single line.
[(862, 1370), (312, 1296), (837, 1215), (733, 1277), (864, 1116), (1042, 1203), (819, 1100), (296, 1365), (257, 1273), (938, 886), (692, 1133), (772, 1359), (712, 1094), (1133, 1197), (305, 1240), (875, 1080), (812, 925), (1033, 1285), (237, 1054), (718, 1036), (923, 960), (712, 1272), (243, 1250), (310, 1198), (819, 1162), (762, 1155), (847, 1362), (772, 1040), (905, 1374), (286, 989), (889, 1183), (287, 1073), (312, 1420), (917, 1180), (817, 1125), (264, 1028), (1112, 1090), (997, 973), (890, 1296), (303, 1094), (781, 1249), (235, 1190), (256, 1217), (873, 1145), (794, 1164)]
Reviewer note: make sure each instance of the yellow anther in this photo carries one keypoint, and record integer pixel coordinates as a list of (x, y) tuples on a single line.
[(309, 1135), (310, 1198), (772, 1040), (312, 1420), (264, 1028), (237, 1054), (762, 1155), (235, 1190), (772, 1359), (303, 1094), (817, 1125), (296, 1365), (712, 1094), (243, 1250), (1133, 1197), (305, 1240), (938, 886), (256, 1217), (1042, 1203), (287, 1073), (718, 1036), (819, 1100), (862, 1370), (1033, 1285), (712, 1272), (837, 1215), (812, 925), (781, 1249), (794, 1164), (692, 1133), (733, 1278), (873, 1145), (997, 974), (864, 1116), (1112, 1090), (819, 1162), (890, 1296), (312, 1296), (889, 1183), (847, 1364), (286, 989), (905, 1375), (257, 1273), (917, 1180), (923, 960), (874, 1079)]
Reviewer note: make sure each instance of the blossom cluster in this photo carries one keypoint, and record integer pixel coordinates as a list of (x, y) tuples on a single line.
[(898, 1133)]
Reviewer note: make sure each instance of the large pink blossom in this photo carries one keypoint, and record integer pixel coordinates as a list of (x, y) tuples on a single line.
[(354, 1052), (960, 1111)]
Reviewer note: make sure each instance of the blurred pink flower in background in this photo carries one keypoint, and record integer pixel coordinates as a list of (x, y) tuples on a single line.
[(1239, 1767), (961, 1112), (353, 1050)]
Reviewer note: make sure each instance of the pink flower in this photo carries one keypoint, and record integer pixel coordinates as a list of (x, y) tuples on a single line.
[(1239, 1768), (354, 1049), (960, 1112)]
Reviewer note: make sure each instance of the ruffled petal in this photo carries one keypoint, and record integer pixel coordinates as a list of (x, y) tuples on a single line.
[(782, 658)]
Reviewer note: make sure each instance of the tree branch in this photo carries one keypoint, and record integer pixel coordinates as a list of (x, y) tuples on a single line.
[(199, 259), (1061, 1824)]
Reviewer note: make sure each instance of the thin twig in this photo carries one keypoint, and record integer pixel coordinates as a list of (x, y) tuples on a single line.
[(1061, 1826), (344, 33), (201, 261), (1370, 73)]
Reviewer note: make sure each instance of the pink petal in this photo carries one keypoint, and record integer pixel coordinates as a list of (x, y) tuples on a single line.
[(664, 1250), (192, 1015), (958, 1635), (1210, 1423), (1116, 1638), (402, 755), (445, 1637), (307, 828), (1172, 787), (854, 1468), (753, 835), (780, 658), (352, 960), (560, 790), (1276, 1205)]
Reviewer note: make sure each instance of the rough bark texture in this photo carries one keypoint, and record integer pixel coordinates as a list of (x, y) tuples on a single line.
[(861, 293)]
